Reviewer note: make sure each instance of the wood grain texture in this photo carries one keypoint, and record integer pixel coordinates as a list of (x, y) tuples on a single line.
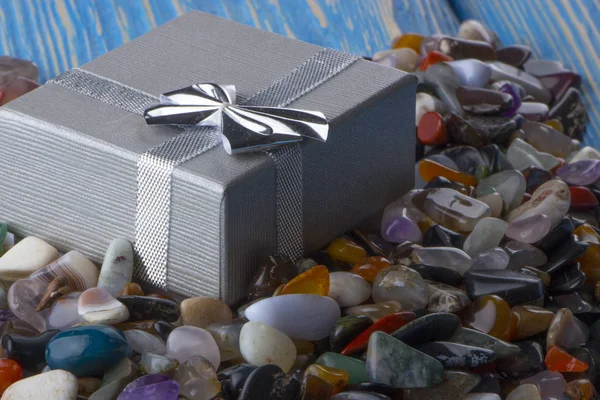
[(565, 30)]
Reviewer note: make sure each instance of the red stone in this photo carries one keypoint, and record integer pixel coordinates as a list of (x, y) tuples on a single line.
[(582, 198), (434, 57), (386, 324), (432, 129), (558, 360), (10, 372)]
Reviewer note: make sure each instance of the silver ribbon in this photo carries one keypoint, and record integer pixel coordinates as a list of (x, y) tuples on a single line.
[(156, 165), (244, 129)]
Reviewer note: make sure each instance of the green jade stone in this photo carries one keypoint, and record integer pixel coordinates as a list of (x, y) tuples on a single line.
[(355, 368)]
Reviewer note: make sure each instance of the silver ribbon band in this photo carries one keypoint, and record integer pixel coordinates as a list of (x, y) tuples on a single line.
[(155, 166)]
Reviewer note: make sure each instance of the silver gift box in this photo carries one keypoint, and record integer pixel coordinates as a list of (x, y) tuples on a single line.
[(69, 162)]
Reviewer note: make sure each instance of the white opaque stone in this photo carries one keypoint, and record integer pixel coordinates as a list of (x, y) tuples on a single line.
[(300, 316), (494, 201), (553, 199), (262, 344), (64, 314), (52, 385), (523, 155), (495, 258), (472, 72), (487, 234), (142, 342), (97, 306), (348, 289), (406, 59), (402, 284), (26, 257), (187, 341), (426, 103), (510, 185), (586, 153), (117, 268)]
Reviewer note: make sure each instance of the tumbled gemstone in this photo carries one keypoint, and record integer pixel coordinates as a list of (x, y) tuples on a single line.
[(460, 49), (455, 385), (348, 289), (495, 158), (342, 249), (514, 287), (197, 379), (580, 389), (438, 274), (559, 360), (187, 341), (446, 299), (530, 229), (410, 40), (147, 386), (338, 378), (313, 281), (494, 201), (582, 198), (428, 328), (442, 80), (447, 257), (386, 324), (451, 209), (510, 184), (494, 259), (468, 159), (535, 177), (472, 72), (433, 57), (11, 68), (524, 392), (486, 235), (533, 111), (427, 103), (523, 254), (431, 129), (523, 155), (479, 131), (375, 311), (29, 352), (529, 361), (560, 82), (478, 339), (400, 223), (16, 88), (278, 269), (490, 314), (483, 101), (472, 29), (550, 384), (369, 267), (454, 355), (557, 236), (580, 173), (533, 86), (562, 255), (548, 140), (531, 320), (552, 199), (355, 368), (438, 236), (566, 331), (10, 372), (404, 59), (314, 388), (402, 284), (543, 67), (590, 260), (429, 169), (515, 55), (568, 279)]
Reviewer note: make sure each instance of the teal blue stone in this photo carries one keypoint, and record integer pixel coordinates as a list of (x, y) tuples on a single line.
[(88, 350)]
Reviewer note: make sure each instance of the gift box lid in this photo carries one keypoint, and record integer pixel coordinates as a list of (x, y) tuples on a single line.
[(223, 207)]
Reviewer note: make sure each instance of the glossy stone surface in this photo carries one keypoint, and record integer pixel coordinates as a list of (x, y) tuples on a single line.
[(187, 341), (564, 253), (87, 350), (162, 329), (475, 338), (515, 55), (523, 254), (300, 316), (557, 236), (531, 320), (97, 306), (402, 284), (197, 379), (346, 329), (548, 140), (529, 361), (455, 385), (369, 267), (515, 287), (486, 235), (117, 268), (581, 173), (375, 311), (144, 308), (26, 257), (276, 270), (552, 199), (550, 384), (439, 274), (28, 351), (386, 324), (153, 363), (438, 236), (264, 379), (490, 314), (566, 331), (142, 342), (525, 392), (405, 59), (348, 289), (428, 328), (510, 185), (533, 86), (523, 155), (431, 129), (342, 249), (386, 354), (479, 131), (530, 229), (427, 103), (204, 311), (559, 360), (568, 279), (314, 281), (571, 113), (261, 344), (483, 101), (356, 369), (151, 386), (446, 299), (455, 355), (429, 169)]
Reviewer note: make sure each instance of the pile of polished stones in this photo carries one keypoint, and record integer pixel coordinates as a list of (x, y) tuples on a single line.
[(483, 284)]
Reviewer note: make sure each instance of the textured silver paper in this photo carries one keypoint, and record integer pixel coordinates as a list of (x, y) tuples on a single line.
[(72, 161)]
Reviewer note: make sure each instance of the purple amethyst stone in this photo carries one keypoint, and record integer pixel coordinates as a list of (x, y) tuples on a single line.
[(151, 387), (580, 173)]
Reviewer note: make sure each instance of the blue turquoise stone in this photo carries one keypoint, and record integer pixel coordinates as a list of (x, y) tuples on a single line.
[(87, 350)]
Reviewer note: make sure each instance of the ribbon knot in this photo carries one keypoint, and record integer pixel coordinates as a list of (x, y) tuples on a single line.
[(242, 128)]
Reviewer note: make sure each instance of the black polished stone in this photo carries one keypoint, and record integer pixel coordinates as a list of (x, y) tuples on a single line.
[(573, 301), (438, 236), (429, 328), (483, 101), (566, 280), (495, 158), (260, 383), (528, 362), (563, 254), (144, 308), (163, 329), (587, 356), (374, 244), (559, 234), (514, 287), (346, 329), (28, 351), (515, 55), (535, 177), (456, 355), (401, 252), (467, 158), (438, 274), (571, 112)]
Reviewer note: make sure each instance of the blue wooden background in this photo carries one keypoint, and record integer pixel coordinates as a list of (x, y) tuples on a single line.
[(59, 34)]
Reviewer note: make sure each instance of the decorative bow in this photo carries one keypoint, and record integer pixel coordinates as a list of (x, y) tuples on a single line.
[(242, 128)]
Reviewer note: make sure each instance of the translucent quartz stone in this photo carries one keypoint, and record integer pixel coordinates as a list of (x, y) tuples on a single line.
[(63, 314), (589, 262), (313, 281), (472, 72), (495, 258), (338, 378), (187, 341), (400, 224), (227, 336), (530, 229), (429, 169), (586, 153), (23, 298), (142, 342), (369, 267), (451, 209), (447, 257), (494, 201), (486, 235), (342, 249), (490, 314), (581, 173), (522, 155), (153, 363), (548, 140), (197, 379), (402, 284), (348, 289), (445, 299), (97, 306), (509, 184), (552, 199), (524, 392), (550, 384), (472, 29)]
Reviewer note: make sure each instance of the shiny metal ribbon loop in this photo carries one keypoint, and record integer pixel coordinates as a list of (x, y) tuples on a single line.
[(243, 128)]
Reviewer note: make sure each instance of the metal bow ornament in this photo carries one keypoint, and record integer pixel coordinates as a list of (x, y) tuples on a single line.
[(242, 128)]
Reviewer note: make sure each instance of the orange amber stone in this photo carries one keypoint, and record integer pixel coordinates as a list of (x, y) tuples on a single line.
[(338, 378), (313, 281), (132, 289), (580, 389), (429, 170), (433, 58), (386, 324), (492, 315), (531, 320), (10, 372), (589, 262), (410, 40), (369, 267), (315, 388), (432, 129), (342, 249), (558, 360)]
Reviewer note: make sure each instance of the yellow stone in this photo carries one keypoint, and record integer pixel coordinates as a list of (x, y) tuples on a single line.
[(338, 378), (410, 40), (304, 346), (313, 281), (342, 249), (556, 124), (531, 321)]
